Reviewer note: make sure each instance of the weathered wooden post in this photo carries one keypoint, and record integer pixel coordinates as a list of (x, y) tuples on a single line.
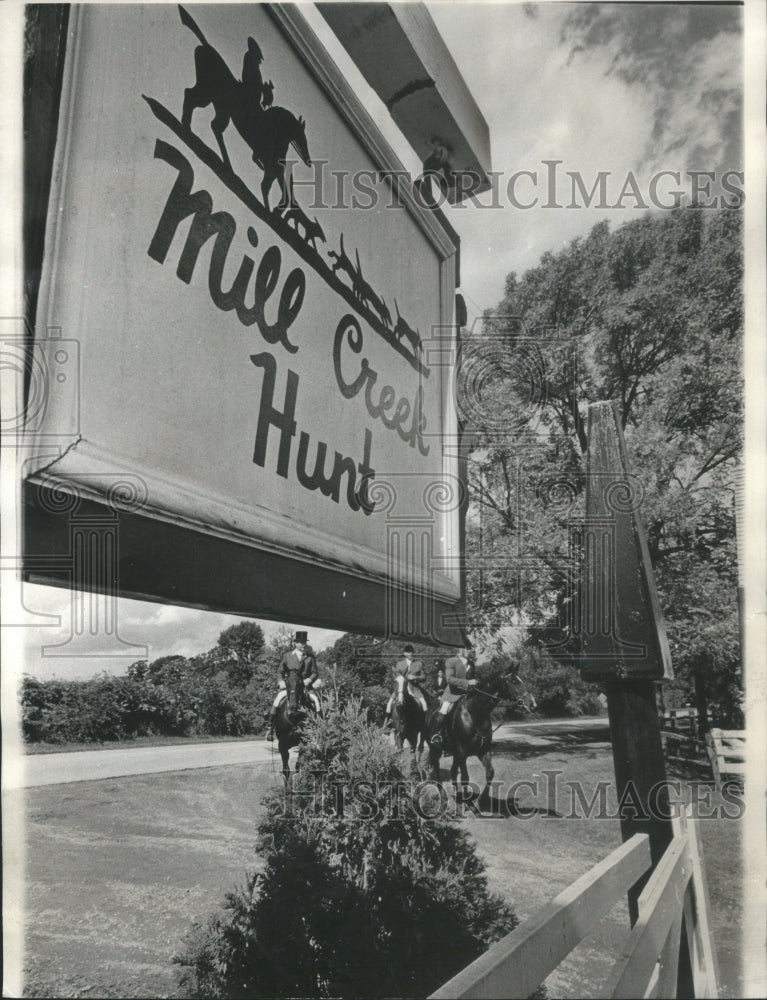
[(622, 640)]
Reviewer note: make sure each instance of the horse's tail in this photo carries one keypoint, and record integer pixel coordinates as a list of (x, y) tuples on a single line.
[(359, 266), (188, 21), (397, 308)]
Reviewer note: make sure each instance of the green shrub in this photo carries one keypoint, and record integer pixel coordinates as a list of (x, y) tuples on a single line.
[(374, 903), (559, 689)]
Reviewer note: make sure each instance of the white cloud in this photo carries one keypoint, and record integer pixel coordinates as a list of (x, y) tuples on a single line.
[(164, 630), (595, 109)]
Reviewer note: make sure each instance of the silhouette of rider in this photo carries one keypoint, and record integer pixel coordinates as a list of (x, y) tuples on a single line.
[(252, 80)]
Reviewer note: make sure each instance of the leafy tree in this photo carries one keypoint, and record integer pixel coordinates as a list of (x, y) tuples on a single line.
[(138, 671), (372, 660), (239, 647), (245, 640), (649, 315), (168, 670)]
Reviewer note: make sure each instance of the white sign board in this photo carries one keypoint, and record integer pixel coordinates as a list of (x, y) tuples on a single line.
[(277, 377)]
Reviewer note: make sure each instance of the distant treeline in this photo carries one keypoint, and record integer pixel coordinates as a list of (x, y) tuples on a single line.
[(228, 690), (224, 692)]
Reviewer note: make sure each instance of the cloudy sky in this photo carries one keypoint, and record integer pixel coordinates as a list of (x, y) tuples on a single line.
[(621, 88), (600, 87)]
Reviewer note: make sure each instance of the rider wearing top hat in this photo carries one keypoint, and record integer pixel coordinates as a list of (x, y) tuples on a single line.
[(458, 680), (301, 660), (251, 73), (412, 671)]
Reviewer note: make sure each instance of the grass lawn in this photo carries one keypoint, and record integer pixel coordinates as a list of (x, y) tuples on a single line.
[(118, 869)]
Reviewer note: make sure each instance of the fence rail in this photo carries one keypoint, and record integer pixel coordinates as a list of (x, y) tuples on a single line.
[(674, 898), (727, 752)]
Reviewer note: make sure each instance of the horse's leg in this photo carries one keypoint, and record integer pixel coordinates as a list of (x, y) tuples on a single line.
[(487, 762), (270, 176), (284, 180), (418, 753), (190, 104), (218, 127), (434, 756), (195, 97), (285, 754)]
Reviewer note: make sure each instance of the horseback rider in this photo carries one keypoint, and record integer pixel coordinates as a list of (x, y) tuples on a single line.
[(458, 680), (301, 660), (252, 80), (440, 676), (412, 673)]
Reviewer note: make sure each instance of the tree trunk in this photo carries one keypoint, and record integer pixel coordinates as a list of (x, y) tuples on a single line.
[(701, 702)]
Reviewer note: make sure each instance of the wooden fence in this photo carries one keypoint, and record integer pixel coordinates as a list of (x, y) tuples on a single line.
[(682, 739), (727, 753), (674, 897)]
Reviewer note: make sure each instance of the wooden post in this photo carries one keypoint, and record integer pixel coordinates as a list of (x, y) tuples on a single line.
[(639, 767), (623, 642)]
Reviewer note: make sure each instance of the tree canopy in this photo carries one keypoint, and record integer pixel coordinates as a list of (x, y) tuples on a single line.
[(650, 315)]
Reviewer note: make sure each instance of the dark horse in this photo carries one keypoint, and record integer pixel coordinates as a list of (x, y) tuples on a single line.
[(468, 731), (287, 722), (269, 132), (408, 717)]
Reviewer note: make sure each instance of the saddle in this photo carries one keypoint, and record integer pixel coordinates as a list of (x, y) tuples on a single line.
[(416, 691)]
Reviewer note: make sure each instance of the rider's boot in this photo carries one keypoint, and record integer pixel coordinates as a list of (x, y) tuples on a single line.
[(434, 731), (387, 713)]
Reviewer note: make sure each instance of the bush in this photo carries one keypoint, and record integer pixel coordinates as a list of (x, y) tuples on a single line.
[(379, 903), (559, 690)]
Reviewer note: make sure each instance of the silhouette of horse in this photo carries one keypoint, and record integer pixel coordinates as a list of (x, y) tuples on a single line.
[(408, 716), (269, 132), (468, 731), (365, 293), (287, 722), (343, 263), (403, 329)]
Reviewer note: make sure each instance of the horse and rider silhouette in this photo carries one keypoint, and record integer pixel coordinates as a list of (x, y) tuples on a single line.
[(269, 131), (467, 729), (288, 720), (408, 715)]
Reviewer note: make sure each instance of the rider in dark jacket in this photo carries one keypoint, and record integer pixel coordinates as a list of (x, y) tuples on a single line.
[(458, 680), (408, 671), (301, 660)]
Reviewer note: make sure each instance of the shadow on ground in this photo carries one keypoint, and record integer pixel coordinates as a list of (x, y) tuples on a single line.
[(561, 742)]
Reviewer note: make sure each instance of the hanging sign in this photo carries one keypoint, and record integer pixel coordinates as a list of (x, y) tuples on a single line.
[(262, 312)]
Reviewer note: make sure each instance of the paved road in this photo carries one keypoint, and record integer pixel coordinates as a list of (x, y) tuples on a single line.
[(95, 765)]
